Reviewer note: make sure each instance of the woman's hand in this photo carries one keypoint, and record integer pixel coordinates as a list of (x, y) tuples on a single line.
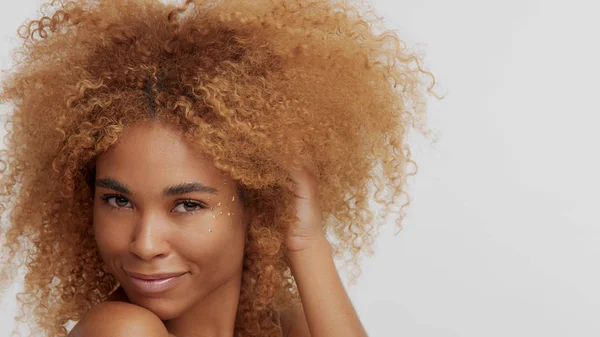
[(308, 229), (327, 309)]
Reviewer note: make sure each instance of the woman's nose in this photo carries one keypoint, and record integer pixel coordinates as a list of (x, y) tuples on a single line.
[(149, 239)]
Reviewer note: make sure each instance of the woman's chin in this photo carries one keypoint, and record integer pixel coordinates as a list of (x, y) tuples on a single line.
[(164, 308)]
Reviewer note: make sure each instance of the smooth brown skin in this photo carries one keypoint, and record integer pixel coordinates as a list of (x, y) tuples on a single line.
[(145, 231), (154, 233)]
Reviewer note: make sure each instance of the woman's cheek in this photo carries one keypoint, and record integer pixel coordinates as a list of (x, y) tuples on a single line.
[(110, 234)]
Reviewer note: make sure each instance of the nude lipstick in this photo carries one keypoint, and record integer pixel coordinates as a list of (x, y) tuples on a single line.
[(151, 284)]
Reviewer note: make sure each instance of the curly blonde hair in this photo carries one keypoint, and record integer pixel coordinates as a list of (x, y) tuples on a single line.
[(260, 86)]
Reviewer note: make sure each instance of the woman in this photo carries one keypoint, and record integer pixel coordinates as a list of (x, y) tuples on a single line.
[(181, 171)]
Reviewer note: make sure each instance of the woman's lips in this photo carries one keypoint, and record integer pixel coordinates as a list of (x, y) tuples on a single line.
[(154, 284)]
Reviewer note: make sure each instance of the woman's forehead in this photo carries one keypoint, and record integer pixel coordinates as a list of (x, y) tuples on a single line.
[(158, 155)]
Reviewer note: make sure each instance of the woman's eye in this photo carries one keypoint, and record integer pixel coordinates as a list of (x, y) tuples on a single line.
[(116, 201), (188, 207)]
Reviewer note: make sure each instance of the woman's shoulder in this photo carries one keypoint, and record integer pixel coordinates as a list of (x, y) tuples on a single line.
[(116, 318)]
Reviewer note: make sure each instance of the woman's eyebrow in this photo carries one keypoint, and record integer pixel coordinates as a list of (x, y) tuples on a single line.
[(113, 184), (182, 188)]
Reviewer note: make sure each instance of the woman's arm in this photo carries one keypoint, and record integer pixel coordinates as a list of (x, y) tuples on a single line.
[(328, 311)]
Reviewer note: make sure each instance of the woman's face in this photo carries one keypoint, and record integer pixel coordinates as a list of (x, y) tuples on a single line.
[(169, 225)]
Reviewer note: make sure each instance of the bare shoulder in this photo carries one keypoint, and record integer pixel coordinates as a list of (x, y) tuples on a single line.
[(293, 322), (119, 319)]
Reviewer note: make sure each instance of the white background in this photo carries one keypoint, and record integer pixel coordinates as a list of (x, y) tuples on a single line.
[(503, 234)]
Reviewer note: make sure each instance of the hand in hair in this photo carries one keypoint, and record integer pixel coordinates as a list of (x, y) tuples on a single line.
[(307, 231)]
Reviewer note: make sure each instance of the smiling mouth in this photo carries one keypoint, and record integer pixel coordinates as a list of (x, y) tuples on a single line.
[(155, 283), (150, 277)]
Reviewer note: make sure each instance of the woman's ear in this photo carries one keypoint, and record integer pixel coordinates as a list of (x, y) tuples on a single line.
[(241, 194), (246, 221), (247, 218), (89, 172), (242, 198)]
